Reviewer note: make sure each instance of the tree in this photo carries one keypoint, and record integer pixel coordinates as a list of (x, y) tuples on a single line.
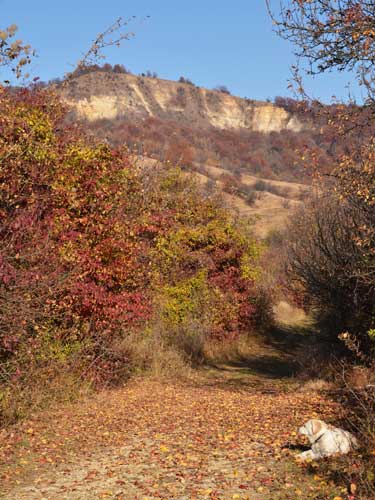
[(331, 260), (327, 269), (223, 89), (14, 54), (331, 35)]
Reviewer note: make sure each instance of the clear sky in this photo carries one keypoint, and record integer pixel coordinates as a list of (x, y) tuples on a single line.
[(211, 42)]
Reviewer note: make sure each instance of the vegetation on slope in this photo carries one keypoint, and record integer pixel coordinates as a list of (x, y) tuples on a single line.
[(96, 250), (179, 132), (332, 243), (105, 265)]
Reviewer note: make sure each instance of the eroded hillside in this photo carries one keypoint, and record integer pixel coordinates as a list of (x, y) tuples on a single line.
[(249, 150), (101, 95)]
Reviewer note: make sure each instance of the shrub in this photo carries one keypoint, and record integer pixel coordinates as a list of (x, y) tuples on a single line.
[(261, 185), (223, 89), (74, 239), (95, 249), (104, 68), (231, 184), (327, 265), (211, 263), (357, 397), (150, 74), (275, 155), (183, 79), (249, 193)]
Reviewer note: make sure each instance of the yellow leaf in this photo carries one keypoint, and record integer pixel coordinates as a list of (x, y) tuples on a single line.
[(163, 448), (353, 488)]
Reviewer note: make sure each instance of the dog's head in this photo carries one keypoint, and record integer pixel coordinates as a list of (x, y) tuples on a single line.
[(313, 429)]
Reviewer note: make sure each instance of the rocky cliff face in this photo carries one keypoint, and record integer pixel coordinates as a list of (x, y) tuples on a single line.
[(101, 95)]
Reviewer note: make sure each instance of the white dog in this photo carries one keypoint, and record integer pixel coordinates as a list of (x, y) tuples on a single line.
[(326, 440)]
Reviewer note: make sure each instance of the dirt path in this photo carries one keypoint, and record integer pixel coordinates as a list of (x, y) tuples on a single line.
[(217, 436)]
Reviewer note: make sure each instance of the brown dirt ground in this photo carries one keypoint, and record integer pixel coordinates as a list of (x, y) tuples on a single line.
[(221, 434)]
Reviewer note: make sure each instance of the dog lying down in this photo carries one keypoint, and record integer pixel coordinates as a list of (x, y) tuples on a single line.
[(326, 440)]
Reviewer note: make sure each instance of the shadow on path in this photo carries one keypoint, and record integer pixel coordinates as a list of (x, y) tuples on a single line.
[(266, 365), (269, 364)]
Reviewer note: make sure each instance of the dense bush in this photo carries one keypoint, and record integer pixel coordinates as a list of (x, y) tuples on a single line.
[(277, 155), (223, 88), (333, 263), (72, 232), (95, 250), (104, 68), (330, 250), (284, 155), (211, 269), (183, 79)]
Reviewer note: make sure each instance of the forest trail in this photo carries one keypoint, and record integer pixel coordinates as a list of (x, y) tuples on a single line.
[(221, 434)]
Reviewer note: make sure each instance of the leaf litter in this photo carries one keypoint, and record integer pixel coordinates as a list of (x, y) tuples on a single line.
[(197, 439)]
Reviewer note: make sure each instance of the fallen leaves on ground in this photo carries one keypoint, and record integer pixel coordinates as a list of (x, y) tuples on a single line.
[(166, 441)]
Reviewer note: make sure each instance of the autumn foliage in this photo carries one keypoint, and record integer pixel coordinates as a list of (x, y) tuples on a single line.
[(92, 244), (331, 245), (331, 259), (276, 155)]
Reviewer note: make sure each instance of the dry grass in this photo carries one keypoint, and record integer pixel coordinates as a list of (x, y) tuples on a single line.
[(40, 389), (356, 470), (316, 385), (222, 352), (287, 314), (150, 354), (271, 208)]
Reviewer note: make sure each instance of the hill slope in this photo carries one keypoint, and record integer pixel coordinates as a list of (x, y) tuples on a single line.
[(250, 150), (101, 95)]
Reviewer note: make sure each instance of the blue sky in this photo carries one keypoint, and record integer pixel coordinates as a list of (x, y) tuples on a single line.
[(210, 42)]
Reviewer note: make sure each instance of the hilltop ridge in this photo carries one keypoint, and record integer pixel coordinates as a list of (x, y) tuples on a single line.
[(104, 95), (229, 142)]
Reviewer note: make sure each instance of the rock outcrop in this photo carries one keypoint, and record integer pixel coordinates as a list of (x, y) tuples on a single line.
[(100, 95)]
